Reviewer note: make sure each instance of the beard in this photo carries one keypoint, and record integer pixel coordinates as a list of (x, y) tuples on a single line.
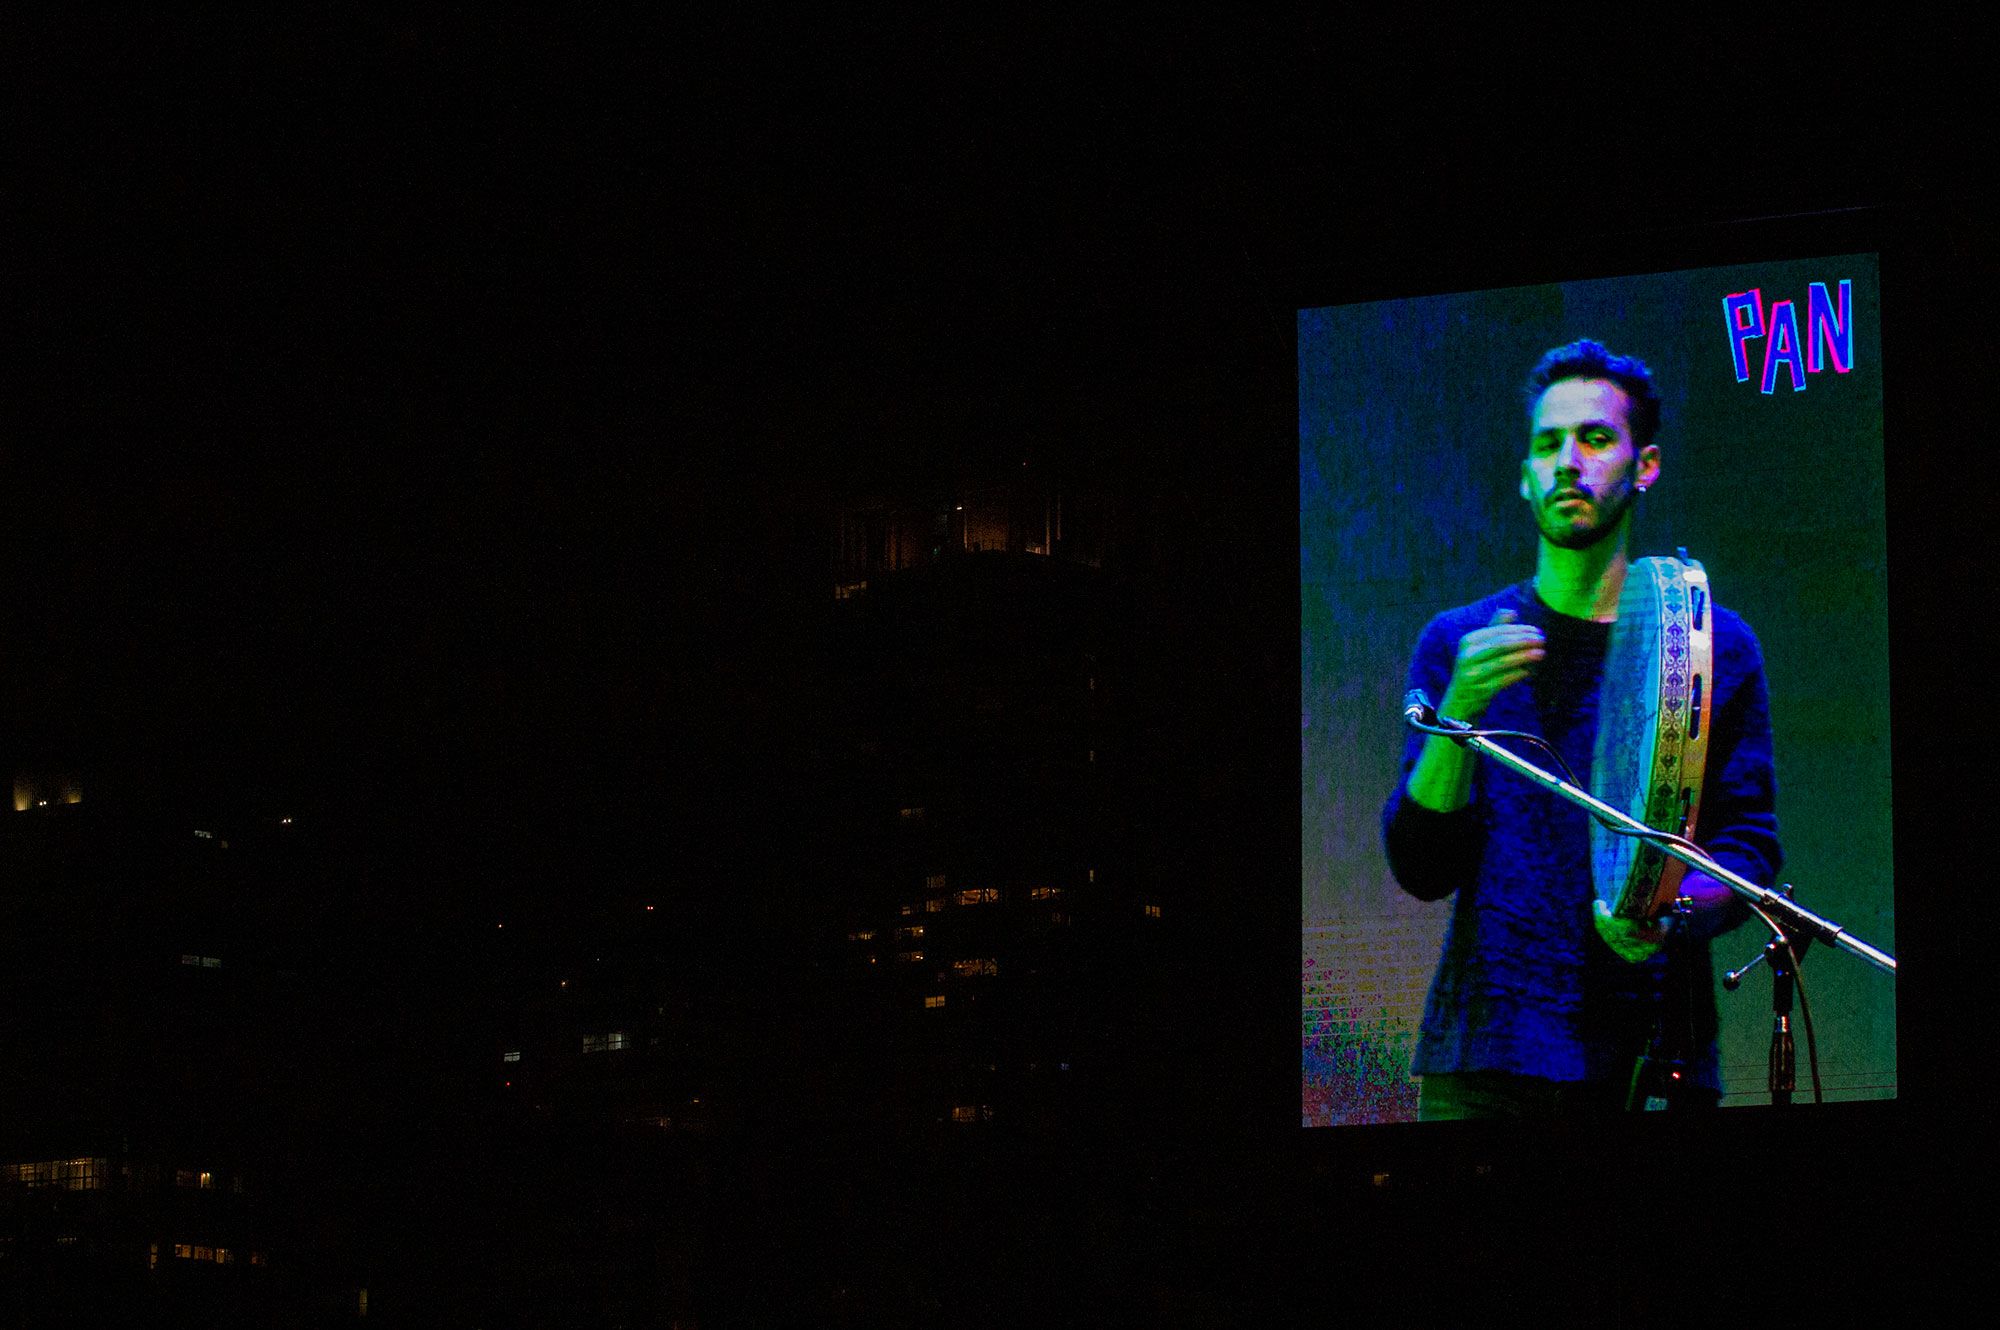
[(1566, 536)]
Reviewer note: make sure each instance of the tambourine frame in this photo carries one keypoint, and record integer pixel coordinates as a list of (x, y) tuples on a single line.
[(1654, 711)]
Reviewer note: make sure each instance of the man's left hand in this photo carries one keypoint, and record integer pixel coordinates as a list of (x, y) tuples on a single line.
[(1633, 940)]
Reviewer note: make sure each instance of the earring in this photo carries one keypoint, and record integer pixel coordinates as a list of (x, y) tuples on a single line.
[(1642, 489)]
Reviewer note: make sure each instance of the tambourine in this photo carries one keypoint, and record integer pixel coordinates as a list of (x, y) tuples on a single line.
[(1652, 730)]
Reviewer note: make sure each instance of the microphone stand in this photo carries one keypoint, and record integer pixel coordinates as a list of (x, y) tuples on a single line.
[(1792, 919), (1783, 1074)]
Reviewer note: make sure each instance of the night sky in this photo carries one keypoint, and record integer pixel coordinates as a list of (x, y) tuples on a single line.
[(432, 422)]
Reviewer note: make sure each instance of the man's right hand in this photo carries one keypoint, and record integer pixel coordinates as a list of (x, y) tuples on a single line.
[(1489, 659)]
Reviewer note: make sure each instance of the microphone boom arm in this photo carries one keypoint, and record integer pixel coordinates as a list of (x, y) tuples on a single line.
[(1792, 917)]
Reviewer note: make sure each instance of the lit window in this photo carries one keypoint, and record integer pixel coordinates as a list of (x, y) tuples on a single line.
[(1152, 911), (152, 1256), (1044, 893), (184, 1177), (934, 906), (202, 1253), (935, 882), (910, 931), (604, 1043), (183, 1251), (69, 1174), (913, 814), (205, 835), (1090, 875), (907, 909), (980, 965), (965, 1113), (978, 896), (511, 1055), (205, 1180), (909, 957), (256, 1258), (862, 935), (1058, 917), (934, 1000)]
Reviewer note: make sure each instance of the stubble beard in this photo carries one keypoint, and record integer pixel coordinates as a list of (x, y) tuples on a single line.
[(1610, 519)]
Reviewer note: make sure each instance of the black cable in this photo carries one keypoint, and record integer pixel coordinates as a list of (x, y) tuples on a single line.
[(1569, 774)]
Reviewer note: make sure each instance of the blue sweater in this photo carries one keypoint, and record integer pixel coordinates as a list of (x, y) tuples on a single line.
[(1524, 984)]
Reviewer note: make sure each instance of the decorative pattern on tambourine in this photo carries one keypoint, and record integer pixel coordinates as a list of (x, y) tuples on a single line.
[(1652, 730)]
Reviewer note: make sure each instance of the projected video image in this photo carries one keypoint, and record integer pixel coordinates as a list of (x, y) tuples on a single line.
[(1641, 520)]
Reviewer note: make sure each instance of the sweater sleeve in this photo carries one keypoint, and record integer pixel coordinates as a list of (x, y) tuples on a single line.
[(1738, 823), (1431, 854)]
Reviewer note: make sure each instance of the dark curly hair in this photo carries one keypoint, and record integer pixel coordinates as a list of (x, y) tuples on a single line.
[(1587, 359)]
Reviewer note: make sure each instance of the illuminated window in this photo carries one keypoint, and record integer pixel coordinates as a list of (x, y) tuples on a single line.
[(978, 896), (204, 962), (909, 957), (204, 1253), (934, 906), (935, 1000), (935, 882), (979, 965), (910, 931), (256, 1258), (862, 935), (69, 1174), (511, 1055), (605, 1043), (1152, 911), (907, 909), (183, 1251), (205, 1180), (1044, 893), (913, 814), (1090, 875), (184, 1177), (965, 1113), (1058, 917)]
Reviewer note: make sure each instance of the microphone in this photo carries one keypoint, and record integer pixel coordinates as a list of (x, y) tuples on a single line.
[(1417, 709)]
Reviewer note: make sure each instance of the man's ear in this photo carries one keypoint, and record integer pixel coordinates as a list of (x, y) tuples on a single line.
[(1647, 472)]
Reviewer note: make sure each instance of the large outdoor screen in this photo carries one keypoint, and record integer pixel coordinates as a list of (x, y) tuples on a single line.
[(1414, 427)]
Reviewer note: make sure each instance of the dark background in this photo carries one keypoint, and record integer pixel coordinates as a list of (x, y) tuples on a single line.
[(428, 423)]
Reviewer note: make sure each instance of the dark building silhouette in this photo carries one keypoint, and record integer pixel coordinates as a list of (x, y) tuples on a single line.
[(154, 1020), (988, 916)]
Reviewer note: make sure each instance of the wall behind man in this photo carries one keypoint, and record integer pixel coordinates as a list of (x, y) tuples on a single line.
[(1411, 435)]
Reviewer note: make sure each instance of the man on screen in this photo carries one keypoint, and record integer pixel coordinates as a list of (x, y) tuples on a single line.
[(1543, 1002)]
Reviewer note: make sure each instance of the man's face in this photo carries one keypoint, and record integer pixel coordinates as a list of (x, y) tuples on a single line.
[(1582, 465)]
